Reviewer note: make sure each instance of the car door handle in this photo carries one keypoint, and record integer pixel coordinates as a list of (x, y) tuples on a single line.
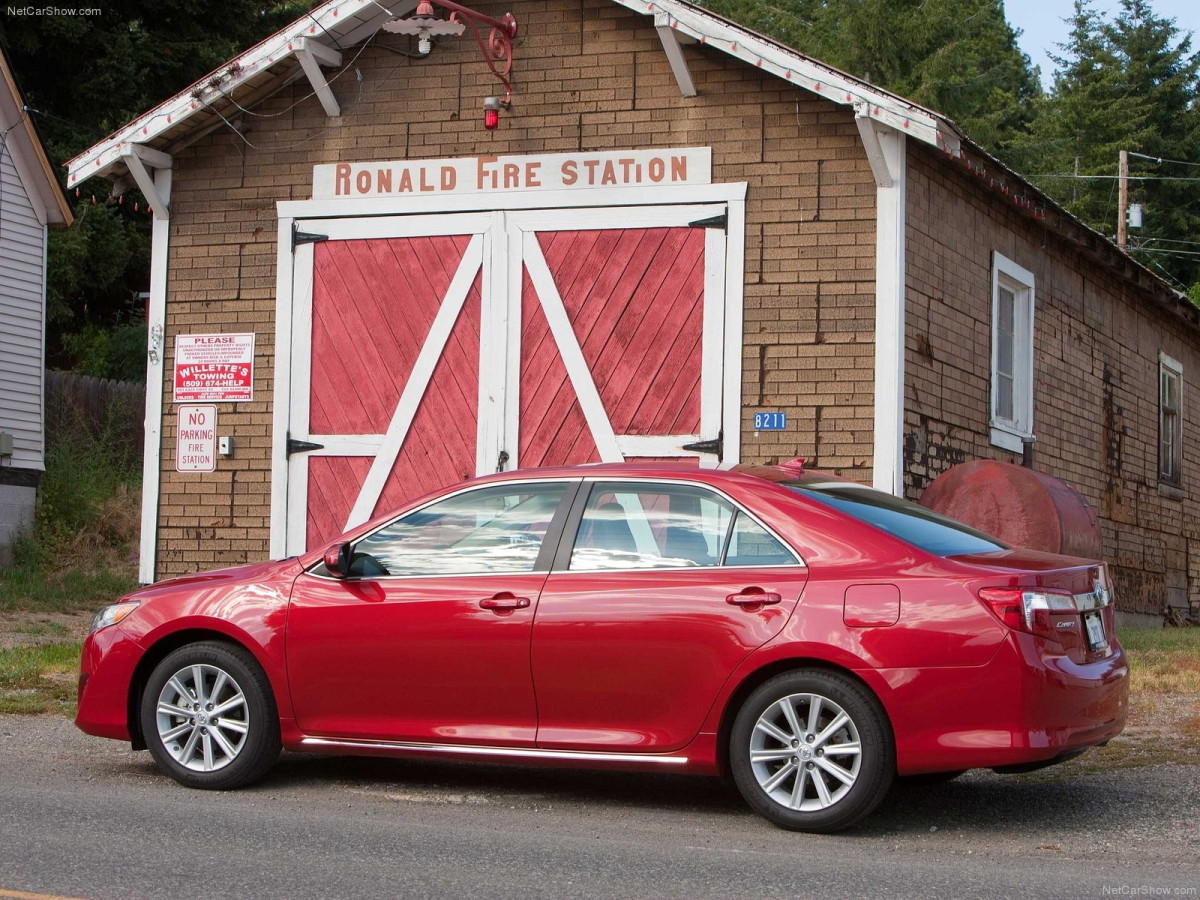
[(504, 602), (753, 596)]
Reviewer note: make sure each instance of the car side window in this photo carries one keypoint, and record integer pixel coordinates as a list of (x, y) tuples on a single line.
[(496, 529), (634, 526), (752, 545)]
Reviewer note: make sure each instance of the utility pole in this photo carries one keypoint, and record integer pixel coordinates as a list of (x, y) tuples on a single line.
[(1123, 200)]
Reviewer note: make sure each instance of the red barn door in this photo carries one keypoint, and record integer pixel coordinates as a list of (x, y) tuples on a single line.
[(428, 349)]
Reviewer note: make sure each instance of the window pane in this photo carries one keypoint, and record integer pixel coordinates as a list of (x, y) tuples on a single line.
[(629, 526), (1007, 304), (495, 529), (751, 545), (915, 524), (1004, 397)]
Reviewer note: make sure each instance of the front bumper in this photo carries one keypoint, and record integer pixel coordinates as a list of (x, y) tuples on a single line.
[(106, 671)]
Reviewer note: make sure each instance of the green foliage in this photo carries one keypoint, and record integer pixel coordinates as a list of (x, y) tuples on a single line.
[(84, 77), (117, 353), (1129, 84), (959, 57)]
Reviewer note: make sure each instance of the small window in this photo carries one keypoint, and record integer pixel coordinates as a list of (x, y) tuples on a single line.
[(1011, 418), (751, 545), (1170, 421), (632, 526), (496, 529)]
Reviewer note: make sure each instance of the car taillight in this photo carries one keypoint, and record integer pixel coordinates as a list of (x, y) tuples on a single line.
[(1029, 610)]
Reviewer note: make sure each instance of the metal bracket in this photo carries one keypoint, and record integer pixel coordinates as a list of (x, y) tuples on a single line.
[(719, 221), (716, 445), (298, 446), (305, 237)]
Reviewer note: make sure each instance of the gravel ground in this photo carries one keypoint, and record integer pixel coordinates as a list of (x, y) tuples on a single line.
[(85, 817)]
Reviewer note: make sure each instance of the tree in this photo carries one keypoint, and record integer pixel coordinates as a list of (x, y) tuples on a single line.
[(1129, 84), (84, 77), (959, 57)]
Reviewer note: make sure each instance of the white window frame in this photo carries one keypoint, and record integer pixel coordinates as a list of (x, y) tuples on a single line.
[(1011, 434), (1172, 477)]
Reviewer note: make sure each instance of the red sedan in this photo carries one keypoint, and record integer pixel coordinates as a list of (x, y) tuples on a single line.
[(810, 636)]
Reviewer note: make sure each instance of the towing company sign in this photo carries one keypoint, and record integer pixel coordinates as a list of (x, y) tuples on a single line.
[(214, 368)]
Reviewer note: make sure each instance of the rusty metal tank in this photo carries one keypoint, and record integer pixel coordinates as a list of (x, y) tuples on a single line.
[(1020, 506)]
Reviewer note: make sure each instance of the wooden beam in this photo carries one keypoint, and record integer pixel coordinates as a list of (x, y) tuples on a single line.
[(671, 46), (311, 55), (147, 184), (884, 176)]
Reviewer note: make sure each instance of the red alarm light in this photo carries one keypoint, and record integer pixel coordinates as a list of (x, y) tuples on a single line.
[(491, 113)]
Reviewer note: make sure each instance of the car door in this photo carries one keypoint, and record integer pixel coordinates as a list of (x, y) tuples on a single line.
[(659, 591), (428, 639)]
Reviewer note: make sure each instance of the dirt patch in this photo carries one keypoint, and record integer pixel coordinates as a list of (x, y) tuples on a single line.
[(35, 629)]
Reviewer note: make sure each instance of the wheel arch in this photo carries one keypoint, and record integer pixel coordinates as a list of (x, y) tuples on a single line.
[(769, 670), (156, 653)]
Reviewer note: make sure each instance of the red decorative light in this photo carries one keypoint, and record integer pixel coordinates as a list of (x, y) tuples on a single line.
[(491, 113)]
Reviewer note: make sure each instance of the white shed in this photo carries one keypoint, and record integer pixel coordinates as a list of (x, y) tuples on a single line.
[(30, 201)]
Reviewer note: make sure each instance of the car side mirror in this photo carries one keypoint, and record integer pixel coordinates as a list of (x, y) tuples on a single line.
[(337, 560)]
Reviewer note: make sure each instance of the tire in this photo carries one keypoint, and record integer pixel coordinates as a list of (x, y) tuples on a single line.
[(817, 780), (231, 749)]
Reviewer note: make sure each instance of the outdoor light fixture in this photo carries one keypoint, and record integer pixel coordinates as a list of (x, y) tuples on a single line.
[(491, 113), (497, 51)]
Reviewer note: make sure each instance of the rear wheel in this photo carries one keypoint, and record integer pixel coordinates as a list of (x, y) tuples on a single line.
[(812, 751), (209, 717)]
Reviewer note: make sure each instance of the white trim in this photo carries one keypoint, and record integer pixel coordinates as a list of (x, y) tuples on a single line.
[(569, 349), (160, 235), (34, 187), (1175, 367), (712, 333), (300, 350), (280, 407), (735, 285), (510, 434), (657, 445), (145, 182), (345, 444), (1010, 434), (659, 195), (888, 434), (417, 383)]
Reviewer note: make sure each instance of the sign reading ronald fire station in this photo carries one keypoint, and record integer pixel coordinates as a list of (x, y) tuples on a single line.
[(214, 367), (196, 439), (499, 174)]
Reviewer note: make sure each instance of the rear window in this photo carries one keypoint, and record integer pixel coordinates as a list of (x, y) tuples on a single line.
[(914, 524)]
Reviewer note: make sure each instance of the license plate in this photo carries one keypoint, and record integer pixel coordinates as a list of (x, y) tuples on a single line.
[(1095, 630)]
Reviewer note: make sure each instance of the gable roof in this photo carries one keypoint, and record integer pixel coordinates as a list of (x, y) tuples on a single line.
[(19, 138), (336, 26)]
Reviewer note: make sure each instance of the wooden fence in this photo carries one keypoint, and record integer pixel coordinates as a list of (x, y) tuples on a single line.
[(85, 408)]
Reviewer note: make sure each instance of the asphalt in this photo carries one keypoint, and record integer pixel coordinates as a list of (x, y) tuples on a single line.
[(84, 817)]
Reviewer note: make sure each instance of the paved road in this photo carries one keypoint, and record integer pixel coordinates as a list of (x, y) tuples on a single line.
[(84, 817)]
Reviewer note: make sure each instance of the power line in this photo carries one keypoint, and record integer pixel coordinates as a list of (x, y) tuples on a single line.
[(1117, 177), (1160, 160)]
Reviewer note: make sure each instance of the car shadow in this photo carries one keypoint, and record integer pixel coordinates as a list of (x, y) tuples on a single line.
[(979, 801)]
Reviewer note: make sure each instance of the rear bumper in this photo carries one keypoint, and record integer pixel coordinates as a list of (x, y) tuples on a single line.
[(105, 673), (1028, 704)]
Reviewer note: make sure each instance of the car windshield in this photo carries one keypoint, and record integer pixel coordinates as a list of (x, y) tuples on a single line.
[(914, 524)]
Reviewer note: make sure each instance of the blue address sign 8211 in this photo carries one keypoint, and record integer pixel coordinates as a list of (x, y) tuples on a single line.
[(770, 421)]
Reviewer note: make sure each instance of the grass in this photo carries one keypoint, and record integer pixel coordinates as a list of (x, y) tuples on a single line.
[(27, 588), (39, 679)]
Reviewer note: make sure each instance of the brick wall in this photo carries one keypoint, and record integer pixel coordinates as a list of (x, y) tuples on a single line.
[(1096, 344), (587, 76)]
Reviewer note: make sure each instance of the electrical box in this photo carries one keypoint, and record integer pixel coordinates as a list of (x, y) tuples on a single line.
[(225, 446), (6, 444)]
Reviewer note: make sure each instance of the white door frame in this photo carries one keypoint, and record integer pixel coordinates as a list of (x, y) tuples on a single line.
[(401, 216)]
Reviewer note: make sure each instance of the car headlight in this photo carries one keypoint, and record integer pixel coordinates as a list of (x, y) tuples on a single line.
[(111, 615)]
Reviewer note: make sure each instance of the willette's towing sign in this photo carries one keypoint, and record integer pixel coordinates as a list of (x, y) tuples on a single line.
[(217, 368)]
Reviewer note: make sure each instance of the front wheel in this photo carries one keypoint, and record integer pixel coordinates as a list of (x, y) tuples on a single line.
[(812, 751), (209, 717)]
